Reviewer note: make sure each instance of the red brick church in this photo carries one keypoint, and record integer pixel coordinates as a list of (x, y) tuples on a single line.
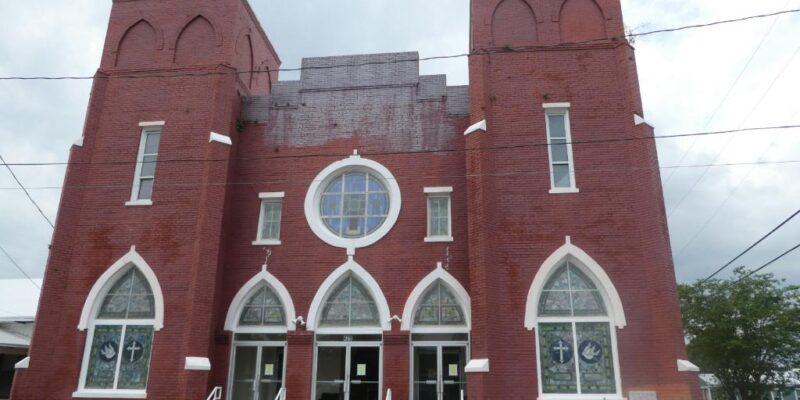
[(364, 232)]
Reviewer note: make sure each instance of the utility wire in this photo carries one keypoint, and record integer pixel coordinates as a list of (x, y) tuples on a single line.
[(437, 151), (503, 174), (14, 262), (480, 52), (730, 90), (754, 245), (730, 140), (35, 204), (768, 263)]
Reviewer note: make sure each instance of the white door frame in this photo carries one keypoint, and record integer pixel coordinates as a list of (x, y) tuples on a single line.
[(258, 345), (438, 344), (347, 345)]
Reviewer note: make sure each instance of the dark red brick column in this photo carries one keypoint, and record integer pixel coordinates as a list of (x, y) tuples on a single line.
[(396, 364), (299, 364)]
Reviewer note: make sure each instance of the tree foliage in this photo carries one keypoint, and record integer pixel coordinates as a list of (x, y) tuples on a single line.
[(745, 330)]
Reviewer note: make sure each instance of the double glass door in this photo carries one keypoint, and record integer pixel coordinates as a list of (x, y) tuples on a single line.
[(348, 371), (257, 372), (439, 372)]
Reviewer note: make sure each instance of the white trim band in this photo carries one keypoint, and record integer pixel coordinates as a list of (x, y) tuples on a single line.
[(197, 364), (220, 138), (441, 189), (478, 126), (271, 195), (556, 105), (151, 123)]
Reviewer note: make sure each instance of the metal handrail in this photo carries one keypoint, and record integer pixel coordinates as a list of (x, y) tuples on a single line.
[(462, 394), (281, 394), (216, 393), (389, 394)]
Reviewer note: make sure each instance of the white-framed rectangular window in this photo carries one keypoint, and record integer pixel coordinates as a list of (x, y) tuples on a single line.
[(145, 173), (559, 146), (439, 214), (269, 219)]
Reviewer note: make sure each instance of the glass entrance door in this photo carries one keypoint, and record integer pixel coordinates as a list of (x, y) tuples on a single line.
[(348, 371), (439, 372), (257, 372)]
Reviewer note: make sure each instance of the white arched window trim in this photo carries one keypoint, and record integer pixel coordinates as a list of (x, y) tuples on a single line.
[(439, 274), (263, 278), (103, 284), (616, 313), (574, 253), (357, 271)]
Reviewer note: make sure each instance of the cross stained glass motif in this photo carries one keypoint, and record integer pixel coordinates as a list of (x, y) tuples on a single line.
[(569, 292), (557, 357), (129, 298), (354, 204), (119, 356), (263, 308), (439, 307), (350, 304)]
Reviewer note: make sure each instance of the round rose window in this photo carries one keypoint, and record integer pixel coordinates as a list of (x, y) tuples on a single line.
[(354, 204)]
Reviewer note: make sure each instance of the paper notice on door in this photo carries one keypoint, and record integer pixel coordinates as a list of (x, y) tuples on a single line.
[(452, 370), (361, 369), (269, 369)]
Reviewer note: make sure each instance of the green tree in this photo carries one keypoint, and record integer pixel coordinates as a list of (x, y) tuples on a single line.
[(745, 330)]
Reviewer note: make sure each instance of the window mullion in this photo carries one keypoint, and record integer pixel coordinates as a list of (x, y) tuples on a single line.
[(119, 354), (576, 356)]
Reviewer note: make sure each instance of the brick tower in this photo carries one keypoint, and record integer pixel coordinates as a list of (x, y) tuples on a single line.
[(177, 226), (557, 72)]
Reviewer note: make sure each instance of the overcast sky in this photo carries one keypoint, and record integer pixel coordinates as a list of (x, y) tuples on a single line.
[(714, 213)]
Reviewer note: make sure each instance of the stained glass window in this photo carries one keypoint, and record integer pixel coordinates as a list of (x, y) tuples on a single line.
[(350, 304), (354, 204), (575, 357), (119, 357), (263, 308), (439, 307), (569, 292)]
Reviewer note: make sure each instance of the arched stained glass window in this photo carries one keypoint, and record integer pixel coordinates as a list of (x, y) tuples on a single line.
[(129, 298), (262, 309), (575, 343), (122, 338), (439, 306), (349, 305), (569, 292)]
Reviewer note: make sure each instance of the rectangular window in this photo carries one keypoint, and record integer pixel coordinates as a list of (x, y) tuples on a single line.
[(114, 367), (145, 174), (559, 138), (439, 214), (269, 221)]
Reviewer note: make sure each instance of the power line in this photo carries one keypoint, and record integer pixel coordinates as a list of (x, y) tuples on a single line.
[(480, 52), (389, 153), (35, 204), (768, 263), (730, 140), (438, 176), (730, 90), (753, 245), (14, 262)]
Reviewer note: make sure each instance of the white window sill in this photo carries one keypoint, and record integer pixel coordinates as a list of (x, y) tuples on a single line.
[(438, 239), (562, 191), (109, 394), (266, 242), (139, 203)]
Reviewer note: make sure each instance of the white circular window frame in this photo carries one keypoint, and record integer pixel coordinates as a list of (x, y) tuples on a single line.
[(314, 196)]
